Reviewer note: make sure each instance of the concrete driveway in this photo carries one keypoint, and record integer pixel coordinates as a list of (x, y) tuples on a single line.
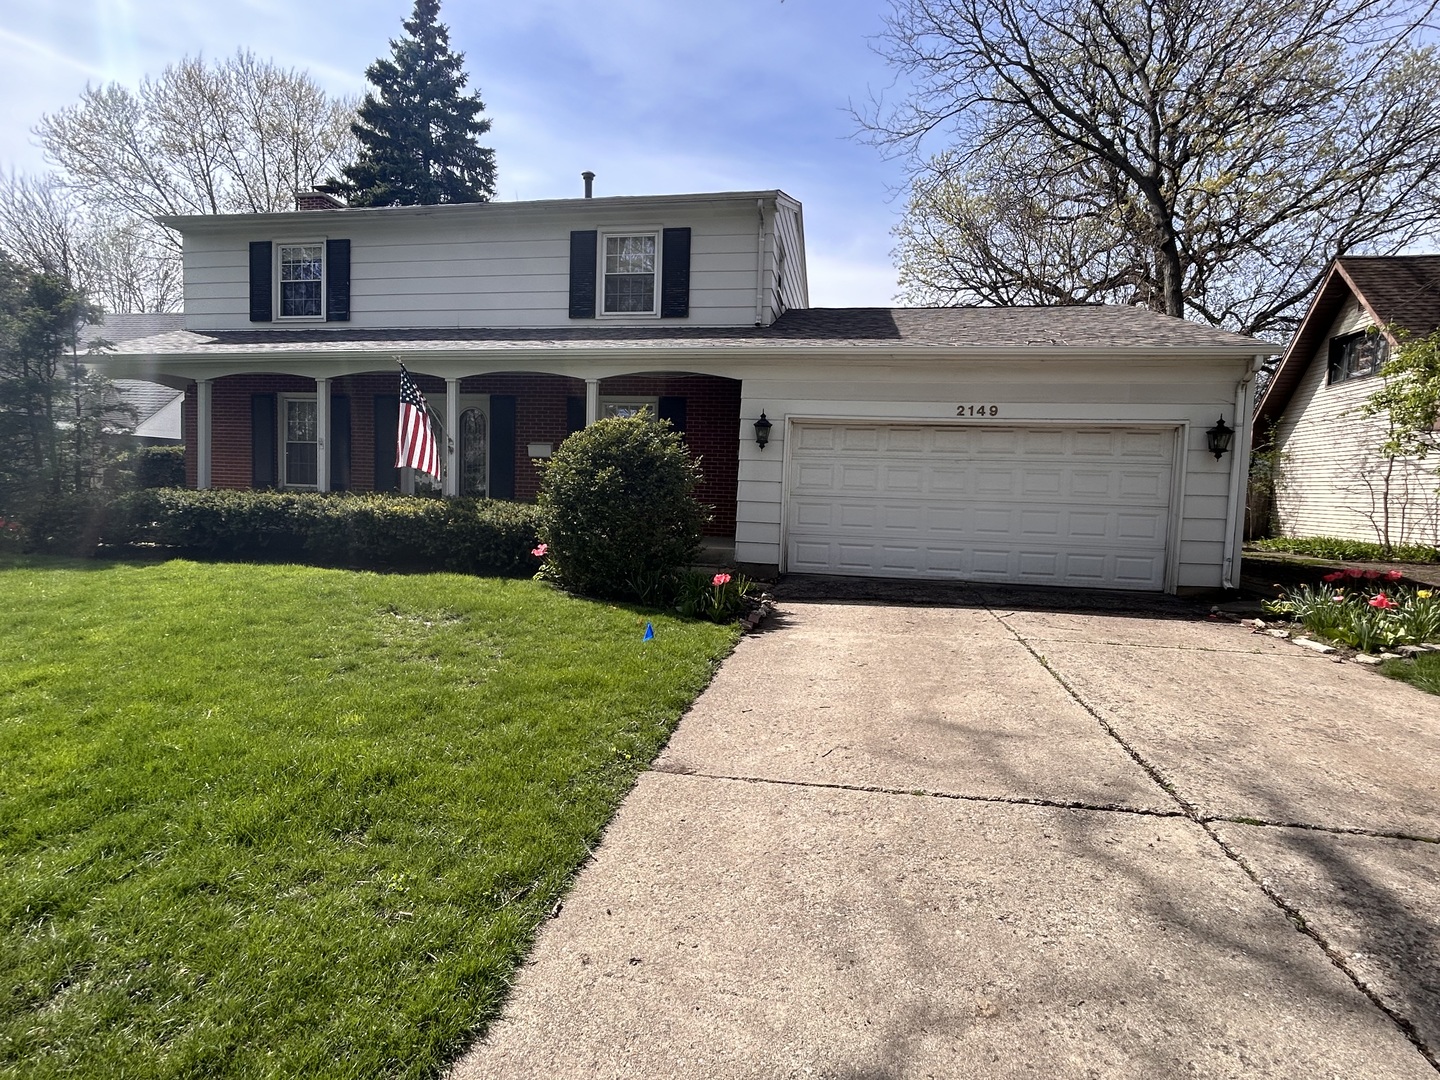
[(989, 839)]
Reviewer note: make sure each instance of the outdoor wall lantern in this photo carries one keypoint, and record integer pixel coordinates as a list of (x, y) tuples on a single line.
[(1218, 438), (762, 430)]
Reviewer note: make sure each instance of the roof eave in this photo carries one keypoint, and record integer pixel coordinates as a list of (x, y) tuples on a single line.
[(182, 222)]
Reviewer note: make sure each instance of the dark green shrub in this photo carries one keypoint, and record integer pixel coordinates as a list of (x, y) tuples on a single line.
[(160, 467), (1339, 549), (618, 508), (374, 531)]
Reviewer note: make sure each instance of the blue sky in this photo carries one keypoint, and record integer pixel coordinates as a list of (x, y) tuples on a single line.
[(653, 95)]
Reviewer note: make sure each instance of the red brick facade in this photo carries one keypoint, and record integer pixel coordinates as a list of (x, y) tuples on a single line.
[(712, 424)]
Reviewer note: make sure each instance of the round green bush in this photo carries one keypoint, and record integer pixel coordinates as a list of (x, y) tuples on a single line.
[(618, 513)]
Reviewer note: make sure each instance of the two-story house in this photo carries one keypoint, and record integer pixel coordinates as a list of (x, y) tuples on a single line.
[(1052, 446)]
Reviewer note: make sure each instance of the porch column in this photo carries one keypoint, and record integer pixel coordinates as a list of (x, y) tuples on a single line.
[(592, 401), (203, 399), (322, 435), (451, 449)]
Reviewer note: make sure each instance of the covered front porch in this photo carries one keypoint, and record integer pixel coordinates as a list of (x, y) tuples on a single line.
[(298, 430)]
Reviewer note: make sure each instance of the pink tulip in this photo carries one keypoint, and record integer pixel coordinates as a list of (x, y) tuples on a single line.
[(1393, 575), (539, 552), (720, 579), (1380, 600)]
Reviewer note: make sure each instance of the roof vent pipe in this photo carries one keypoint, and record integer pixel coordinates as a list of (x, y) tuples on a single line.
[(589, 178)]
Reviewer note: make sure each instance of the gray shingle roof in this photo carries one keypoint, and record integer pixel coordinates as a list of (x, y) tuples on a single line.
[(829, 328), (128, 327), (1401, 291)]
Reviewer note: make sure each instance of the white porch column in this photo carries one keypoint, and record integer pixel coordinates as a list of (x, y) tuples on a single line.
[(322, 442), (203, 388), (451, 450), (592, 401)]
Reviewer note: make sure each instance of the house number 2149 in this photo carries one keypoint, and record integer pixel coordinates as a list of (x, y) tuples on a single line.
[(977, 410)]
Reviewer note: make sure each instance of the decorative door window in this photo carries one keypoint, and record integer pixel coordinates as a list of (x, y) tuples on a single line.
[(474, 436)]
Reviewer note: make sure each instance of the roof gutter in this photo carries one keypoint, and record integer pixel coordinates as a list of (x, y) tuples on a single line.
[(1239, 477)]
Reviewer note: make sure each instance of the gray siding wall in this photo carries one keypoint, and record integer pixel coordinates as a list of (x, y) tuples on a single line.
[(1332, 476), (452, 269)]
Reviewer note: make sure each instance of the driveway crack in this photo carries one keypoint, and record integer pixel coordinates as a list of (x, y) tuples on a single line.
[(1291, 911)]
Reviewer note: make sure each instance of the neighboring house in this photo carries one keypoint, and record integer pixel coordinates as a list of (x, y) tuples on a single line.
[(1062, 446), (148, 411), (1332, 479)]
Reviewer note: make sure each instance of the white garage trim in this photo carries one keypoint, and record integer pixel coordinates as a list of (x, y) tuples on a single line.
[(909, 498)]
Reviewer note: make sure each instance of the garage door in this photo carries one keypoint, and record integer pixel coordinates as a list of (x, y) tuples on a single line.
[(1043, 505)]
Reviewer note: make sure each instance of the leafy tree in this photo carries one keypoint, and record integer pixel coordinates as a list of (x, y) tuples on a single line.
[(418, 132), (1408, 402), (238, 136), (1205, 160), (1410, 397), (53, 412)]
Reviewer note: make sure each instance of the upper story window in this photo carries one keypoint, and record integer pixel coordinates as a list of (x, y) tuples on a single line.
[(302, 281), (1355, 356), (630, 266)]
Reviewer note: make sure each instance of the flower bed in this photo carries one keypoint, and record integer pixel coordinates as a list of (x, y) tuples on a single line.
[(1363, 609)]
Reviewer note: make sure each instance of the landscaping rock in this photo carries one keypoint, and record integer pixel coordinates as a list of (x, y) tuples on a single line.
[(1278, 633), (1367, 659), (1313, 646), (1410, 650), (1389, 656)]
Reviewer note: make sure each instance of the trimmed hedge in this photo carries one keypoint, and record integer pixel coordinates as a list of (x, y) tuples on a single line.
[(160, 466), (1342, 550), (373, 531)]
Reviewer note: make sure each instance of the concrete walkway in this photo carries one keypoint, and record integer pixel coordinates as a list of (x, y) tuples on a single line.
[(979, 840)]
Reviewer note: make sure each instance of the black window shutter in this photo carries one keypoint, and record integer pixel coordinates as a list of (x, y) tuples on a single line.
[(337, 280), (502, 446), (262, 440), (574, 415), (340, 443), (387, 423), (261, 308), (582, 274), (672, 409), (675, 274)]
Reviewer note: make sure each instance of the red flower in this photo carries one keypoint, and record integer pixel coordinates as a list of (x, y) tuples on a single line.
[(1354, 573), (720, 579), (1380, 600), (1334, 577), (1393, 575), (539, 552), (1371, 575)]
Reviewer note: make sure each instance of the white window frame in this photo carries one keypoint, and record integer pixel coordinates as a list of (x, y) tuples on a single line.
[(282, 430), (642, 400), (280, 246), (655, 233)]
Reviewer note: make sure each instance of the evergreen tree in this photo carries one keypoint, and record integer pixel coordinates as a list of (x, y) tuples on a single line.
[(418, 132)]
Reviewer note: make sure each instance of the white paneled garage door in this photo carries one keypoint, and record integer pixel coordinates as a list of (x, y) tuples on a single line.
[(1043, 505)]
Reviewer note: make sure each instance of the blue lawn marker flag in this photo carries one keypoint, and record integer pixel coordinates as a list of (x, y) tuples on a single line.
[(649, 632)]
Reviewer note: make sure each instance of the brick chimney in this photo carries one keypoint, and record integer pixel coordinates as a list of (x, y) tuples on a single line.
[(317, 200)]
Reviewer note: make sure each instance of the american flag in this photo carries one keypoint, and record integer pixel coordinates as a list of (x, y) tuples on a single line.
[(415, 442)]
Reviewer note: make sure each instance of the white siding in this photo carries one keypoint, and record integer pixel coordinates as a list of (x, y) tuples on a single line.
[(1164, 394), (499, 270), (1331, 474)]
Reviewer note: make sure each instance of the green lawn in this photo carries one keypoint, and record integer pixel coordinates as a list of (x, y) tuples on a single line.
[(1423, 672), (280, 821)]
